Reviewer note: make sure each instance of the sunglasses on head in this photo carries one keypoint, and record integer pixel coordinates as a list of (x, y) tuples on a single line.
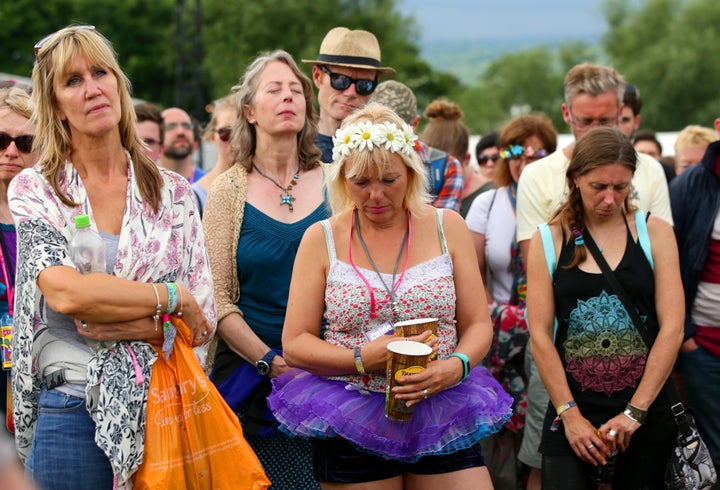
[(485, 158), (224, 134), (39, 45), (341, 82), (23, 142)]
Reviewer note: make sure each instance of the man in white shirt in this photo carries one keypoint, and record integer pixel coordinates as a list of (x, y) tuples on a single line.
[(593, 97)]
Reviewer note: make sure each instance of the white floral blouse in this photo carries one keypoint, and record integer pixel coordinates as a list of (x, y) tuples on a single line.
[(153, 247)]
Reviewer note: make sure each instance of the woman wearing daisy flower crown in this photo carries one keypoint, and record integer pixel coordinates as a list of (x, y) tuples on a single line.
[(386, 256)]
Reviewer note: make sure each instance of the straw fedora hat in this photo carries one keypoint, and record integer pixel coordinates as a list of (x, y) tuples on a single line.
[(354, 49)]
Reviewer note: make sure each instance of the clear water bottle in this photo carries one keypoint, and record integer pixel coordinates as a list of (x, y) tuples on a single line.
[(87, 249)]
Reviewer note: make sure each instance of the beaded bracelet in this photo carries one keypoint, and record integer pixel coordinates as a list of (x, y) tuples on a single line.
[(172, 297), (158, 308)]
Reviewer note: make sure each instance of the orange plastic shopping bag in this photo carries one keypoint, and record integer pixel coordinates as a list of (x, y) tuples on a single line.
[(193, 440)]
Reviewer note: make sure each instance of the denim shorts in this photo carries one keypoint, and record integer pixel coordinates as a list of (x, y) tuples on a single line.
[(64, 454), (338, 461)]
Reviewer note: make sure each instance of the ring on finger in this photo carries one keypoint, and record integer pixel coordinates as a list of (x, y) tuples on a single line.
[(612, 433), (590, 447), (425, 394), (84, 325)]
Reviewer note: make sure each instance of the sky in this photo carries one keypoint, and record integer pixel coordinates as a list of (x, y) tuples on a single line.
[(451, 20)]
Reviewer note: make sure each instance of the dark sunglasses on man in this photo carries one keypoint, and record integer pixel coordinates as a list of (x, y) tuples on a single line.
[(484, 159), (338, 81), (23, 142)]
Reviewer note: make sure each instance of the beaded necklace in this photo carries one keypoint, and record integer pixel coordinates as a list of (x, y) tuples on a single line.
[(286, 197)]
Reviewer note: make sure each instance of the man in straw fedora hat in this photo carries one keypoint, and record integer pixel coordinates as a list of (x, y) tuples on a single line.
[(346, 74)]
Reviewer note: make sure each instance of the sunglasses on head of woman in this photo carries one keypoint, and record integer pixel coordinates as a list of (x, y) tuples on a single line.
[(23, 142), (340, 82), (39, 45)]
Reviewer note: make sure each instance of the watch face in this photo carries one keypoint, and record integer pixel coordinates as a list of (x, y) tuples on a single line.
[(262, 367)]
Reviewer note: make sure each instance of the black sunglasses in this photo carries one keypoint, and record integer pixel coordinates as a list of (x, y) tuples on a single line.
[(24, 142), (224, 134), (484, 159), (341, 82)]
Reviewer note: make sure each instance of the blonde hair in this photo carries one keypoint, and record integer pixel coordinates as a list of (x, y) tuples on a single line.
[(53, 139), (359, 162), (243, 140), (445, 130), (221, 104), (17, 100), (694, 136)]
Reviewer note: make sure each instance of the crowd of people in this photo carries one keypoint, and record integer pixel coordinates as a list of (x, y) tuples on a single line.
[(312, 234)]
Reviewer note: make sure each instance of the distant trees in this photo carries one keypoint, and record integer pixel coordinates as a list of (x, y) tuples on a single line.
[(666, 47)]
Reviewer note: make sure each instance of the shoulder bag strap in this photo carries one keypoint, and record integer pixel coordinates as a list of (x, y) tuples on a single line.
[(670, 388)]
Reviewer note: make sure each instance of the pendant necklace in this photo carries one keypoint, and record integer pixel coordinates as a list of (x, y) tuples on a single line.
[(395, 307), (286, 197)]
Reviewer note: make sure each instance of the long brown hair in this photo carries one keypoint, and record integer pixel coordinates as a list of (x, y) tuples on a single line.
[(53, 138), (243, 141), (596, 148)]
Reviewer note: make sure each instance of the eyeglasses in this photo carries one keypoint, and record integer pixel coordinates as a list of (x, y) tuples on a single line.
[(224, 134), (172, 125), (23, 142), (151, 142), (586, 122), (483, 160), (41, 42), (338, 81)]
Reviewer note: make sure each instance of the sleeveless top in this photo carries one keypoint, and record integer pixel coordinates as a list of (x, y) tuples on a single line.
[(600, 348), (265, 257), (427, 290)]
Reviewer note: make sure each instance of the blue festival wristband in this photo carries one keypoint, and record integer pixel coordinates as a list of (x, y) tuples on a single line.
[(465, 362), (172, 297)]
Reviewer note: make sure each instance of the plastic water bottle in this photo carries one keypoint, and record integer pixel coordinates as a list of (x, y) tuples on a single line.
[(87, 251)]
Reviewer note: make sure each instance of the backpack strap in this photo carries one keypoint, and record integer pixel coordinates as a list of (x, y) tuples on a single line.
[(437, 166), (548, 247), (550, 259), (643, 236)]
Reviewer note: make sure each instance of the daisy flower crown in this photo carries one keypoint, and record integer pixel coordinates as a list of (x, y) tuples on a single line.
[(366, 136)]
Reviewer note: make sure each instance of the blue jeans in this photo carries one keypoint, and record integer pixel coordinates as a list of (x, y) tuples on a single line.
[(64, 454), (701, 378)]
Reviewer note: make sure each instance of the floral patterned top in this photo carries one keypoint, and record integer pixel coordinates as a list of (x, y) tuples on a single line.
[(153, 247), (427, 290)]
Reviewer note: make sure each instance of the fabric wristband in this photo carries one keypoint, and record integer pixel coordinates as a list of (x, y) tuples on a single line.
[(358, 360), (172, 297), (465, 363), (561, 410)]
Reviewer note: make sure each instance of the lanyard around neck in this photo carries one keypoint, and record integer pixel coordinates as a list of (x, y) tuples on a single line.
[(395, 286), (6, 274)]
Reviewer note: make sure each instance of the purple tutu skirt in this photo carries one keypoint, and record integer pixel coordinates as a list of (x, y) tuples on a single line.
[(307, 405)]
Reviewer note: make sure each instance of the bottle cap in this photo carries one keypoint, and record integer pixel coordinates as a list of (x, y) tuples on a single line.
[(82, 221)]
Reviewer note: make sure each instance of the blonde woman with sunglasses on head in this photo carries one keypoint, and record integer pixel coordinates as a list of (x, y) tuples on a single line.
[(79, 411), (218, 132)]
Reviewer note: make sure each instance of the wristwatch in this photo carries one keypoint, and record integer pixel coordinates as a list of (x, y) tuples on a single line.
[(263, 365)]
